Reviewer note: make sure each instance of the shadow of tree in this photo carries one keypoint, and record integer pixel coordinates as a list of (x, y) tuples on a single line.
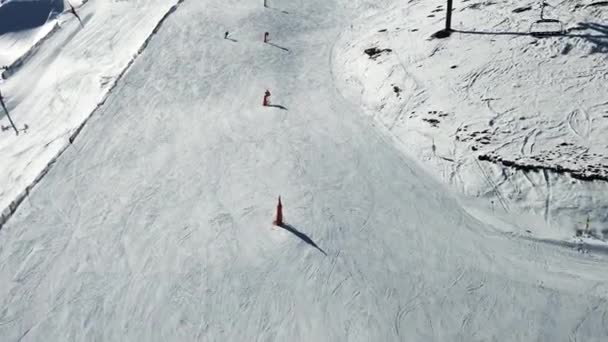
[(23, 15), (596, 34), (302, 236), (600, 40)]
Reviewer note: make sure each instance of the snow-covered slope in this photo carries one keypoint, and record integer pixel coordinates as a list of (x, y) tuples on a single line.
[(22, 25), (59, 82), (156, 225), (495, 112)]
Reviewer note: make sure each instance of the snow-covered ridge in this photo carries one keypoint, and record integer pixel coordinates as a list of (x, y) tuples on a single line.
[(18, 59), (536, 108)]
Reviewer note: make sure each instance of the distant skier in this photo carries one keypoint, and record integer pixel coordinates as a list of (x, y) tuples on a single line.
[(266, 100), (226, 35), (265, 4), (73, 10), (266, 37)]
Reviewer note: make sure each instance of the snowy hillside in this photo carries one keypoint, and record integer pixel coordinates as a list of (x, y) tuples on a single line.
[(23, 24), (155, 224), (496, 112), (53, 86)]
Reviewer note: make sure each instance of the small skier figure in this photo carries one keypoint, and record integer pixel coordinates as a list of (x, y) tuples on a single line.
[(266, 100), (226, 35), (266, 37), (265, 5)]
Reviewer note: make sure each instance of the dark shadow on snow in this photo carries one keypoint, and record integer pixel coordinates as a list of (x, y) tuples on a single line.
[(277, 106), (600, 40), (278, 10), (599, 37), (232, 40), (73, 10), (302, 236), (24, 15), (277, 46)]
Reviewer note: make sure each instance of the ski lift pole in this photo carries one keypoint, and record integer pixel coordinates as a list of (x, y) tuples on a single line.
[(448, 17), (7, 114), (542, 10)]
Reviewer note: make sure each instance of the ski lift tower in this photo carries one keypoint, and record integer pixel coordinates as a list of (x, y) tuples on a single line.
[(448, 17), (447, 31), (8, 114)]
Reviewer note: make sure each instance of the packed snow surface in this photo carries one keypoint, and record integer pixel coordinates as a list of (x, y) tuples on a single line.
[(155, 224), (495, 111)]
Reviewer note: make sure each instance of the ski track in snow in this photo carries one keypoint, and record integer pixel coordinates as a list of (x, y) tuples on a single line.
[(157, 224), (519, 102)]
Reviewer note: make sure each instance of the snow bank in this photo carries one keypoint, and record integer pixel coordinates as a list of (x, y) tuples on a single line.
[(514, 119)]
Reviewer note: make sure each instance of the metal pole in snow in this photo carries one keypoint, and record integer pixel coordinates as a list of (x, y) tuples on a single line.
[(448, 17), (7, 114)]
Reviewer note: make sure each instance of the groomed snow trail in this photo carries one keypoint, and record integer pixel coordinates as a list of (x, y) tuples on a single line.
[(156, 225)]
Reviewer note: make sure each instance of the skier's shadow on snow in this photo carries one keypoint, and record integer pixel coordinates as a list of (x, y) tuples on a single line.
[(232, 40), (278, 46), (302, 236), (277, 106)]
